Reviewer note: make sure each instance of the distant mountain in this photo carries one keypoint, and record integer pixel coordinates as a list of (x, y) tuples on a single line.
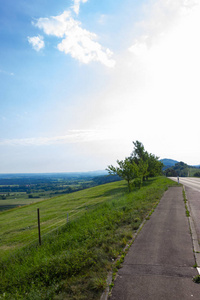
[(168, 163)]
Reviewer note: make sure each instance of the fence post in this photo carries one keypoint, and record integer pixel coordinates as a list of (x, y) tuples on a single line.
[(38, 215)]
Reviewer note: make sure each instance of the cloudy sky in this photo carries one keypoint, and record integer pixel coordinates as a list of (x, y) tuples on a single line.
[(81, 79)]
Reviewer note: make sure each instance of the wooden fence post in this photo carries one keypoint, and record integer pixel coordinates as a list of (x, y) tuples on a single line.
[(38, 215)]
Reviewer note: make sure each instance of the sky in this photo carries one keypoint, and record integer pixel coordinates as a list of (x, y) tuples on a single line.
[(80, 80)]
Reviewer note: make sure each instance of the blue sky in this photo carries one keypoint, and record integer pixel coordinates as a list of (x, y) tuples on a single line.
[(81, 79)]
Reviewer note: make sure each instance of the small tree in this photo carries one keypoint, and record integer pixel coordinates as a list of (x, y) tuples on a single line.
[(126, 169), (140, 157), (147, 162), (138, 166), (154, 165), (143, 169)]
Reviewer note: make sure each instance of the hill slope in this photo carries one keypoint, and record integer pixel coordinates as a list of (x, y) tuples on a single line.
[(74, 258)]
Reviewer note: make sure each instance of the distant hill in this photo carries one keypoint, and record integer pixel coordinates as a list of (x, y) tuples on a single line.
[(168, 163), (174, 168)]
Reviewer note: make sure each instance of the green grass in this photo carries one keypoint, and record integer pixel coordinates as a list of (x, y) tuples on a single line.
[(192, 171), (74, 260), (186, 207), (19, 200), (18, 227)]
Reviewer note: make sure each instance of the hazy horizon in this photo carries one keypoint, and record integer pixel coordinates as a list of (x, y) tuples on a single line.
[(81, 172)]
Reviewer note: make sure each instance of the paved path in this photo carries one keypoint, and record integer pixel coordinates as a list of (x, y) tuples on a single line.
[(192, 182), (193, 197), (192, 189), (159, 264)]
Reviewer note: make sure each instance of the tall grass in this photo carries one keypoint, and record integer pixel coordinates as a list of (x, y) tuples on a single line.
[(73, 262)]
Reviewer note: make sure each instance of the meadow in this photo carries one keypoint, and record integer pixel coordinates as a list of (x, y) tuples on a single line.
[(21, 189), (75, 256)]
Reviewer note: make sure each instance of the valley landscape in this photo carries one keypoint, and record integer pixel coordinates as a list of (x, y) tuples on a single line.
[(61, 234)]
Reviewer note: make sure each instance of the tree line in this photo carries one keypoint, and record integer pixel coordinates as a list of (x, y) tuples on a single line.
[(136, 168), (181, 169)]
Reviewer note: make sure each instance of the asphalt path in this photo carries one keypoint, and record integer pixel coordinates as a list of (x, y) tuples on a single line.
[(190, 182), (159, 264), (192, 189)]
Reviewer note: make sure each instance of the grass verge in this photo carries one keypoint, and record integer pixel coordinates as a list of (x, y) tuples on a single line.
[(185, 201), (73, 262)]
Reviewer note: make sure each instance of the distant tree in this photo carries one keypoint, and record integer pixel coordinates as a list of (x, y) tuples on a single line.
[(181, 169), (170, 172), (105, 179), (197, 174), (126, 169)]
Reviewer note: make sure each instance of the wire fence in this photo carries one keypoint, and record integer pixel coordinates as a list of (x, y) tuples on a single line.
[(49, 223), (21, 239)]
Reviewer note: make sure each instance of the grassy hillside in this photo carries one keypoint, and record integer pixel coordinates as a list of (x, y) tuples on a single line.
[(75, 257), (21, 189)]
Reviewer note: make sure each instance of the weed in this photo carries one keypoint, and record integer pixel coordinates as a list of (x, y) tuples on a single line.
[(196, 279), (185, 201), (187, 211)]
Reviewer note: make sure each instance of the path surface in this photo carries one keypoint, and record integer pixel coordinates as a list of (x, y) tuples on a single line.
[(159, 264), (191, 182), (192, 189)]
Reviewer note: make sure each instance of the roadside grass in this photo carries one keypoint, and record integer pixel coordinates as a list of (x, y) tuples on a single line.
[(186, 206), (74, 260)]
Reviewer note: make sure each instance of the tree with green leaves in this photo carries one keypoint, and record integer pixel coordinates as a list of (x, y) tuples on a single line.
[(154, 165), (139, 166), (139, 152), (149, 163), (126, 169)]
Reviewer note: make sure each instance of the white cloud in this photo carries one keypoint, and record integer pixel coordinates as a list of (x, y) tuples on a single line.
[(73, 136), (80, 43), (76, 6), (37, 42)]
